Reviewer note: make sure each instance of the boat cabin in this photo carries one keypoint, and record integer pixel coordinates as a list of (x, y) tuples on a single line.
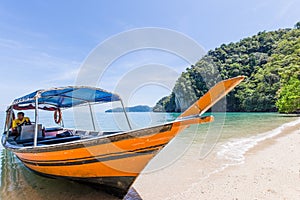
[(55, 100)]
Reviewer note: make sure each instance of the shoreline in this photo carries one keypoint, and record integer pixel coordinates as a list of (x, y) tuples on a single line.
[(270, 170)]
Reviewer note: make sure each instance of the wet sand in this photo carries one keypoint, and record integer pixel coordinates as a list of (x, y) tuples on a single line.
[(270, 170)]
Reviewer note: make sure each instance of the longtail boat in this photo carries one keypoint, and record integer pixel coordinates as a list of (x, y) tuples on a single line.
[(111, 160)]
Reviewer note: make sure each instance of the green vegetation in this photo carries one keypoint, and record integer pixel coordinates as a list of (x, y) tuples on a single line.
[(269, 60), (289, 97)]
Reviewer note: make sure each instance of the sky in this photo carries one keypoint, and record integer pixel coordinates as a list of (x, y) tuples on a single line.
[(44, 43)]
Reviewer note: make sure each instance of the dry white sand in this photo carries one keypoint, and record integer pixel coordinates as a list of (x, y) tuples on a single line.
[(271, 170)]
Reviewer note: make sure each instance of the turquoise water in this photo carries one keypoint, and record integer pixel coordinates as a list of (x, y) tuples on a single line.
[(17, 182)]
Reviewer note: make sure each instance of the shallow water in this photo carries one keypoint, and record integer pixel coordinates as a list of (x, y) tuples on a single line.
[(17, 182)]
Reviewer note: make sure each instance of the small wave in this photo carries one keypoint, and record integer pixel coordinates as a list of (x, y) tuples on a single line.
[(235, 150)]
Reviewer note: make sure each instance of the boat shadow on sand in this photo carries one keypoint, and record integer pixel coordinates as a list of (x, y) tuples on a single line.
[(18, 182)]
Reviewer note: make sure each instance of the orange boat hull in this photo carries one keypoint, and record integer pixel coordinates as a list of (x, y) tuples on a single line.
[(111, 162)]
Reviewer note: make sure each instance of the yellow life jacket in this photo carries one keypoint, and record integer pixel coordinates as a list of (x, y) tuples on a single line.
[(17, 122)]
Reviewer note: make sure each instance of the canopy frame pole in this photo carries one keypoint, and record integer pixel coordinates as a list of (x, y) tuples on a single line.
[(92, 117), (62, 124), (6, 127), (125, 113), (36, 120), (6, 123)]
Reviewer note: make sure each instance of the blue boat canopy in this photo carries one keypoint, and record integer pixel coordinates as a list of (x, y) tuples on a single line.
[(64, 97)]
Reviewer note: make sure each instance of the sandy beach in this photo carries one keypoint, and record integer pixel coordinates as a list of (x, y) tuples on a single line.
[(269, 170)]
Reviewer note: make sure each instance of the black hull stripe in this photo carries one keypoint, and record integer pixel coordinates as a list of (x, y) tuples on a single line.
[(95, 160), (96, 156)]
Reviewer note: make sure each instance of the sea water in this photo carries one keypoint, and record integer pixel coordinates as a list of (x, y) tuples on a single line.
[(227, 139)]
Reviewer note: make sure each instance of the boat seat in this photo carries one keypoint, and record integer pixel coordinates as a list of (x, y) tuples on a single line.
[(51, 129), (19, 141), (27, 132), (55, 140)]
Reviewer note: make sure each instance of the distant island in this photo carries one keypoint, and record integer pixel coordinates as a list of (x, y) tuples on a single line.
[(269, 60), (139, 108)]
